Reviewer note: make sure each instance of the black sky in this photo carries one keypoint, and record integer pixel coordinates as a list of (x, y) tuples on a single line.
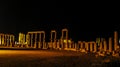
[(84, 20)]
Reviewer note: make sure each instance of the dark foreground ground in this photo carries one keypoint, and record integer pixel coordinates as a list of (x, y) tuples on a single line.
[(50, 58)]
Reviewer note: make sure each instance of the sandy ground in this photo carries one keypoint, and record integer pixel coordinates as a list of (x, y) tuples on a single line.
[(50, 58)]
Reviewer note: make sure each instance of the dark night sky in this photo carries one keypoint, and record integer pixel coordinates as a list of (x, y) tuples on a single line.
[(84, 21)]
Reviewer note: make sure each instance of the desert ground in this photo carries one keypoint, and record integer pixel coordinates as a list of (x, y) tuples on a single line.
[(54, 58)]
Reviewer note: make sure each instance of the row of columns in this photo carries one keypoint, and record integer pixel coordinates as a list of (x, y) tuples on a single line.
[(37, 41), (6, 40), (61, 44), (93, 47), (89, 46)]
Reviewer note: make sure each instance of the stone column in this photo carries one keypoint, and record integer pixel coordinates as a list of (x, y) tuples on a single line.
[(35, 40), (91, 44), (44, 45), (28, 40), (13, 39), (110, 44), (39, 46), (86, 46), (31, 39), (115, 40), (105, 45), (101, 46), (81, 45), (3, 39), (66, 38), (95, 47), (8, 40)]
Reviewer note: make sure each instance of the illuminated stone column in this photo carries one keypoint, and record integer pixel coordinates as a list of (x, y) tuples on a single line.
[(76, 48), (105, 45), (95, 47), (58, 45), (86, 46), (10, 41), (13, 40), (39, 46), (7, 40), (81, 45), (66, 38), (55, 40), (31, 39), (28, 40), (44, 44), (69, 44), (3, 39), (110, 44), (35, 40), (115, 40), (91, 44), (101, 46)]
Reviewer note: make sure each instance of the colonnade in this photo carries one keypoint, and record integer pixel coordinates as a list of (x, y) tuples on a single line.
[(35, 39), (6, 40), (88, 46), (93, 47)]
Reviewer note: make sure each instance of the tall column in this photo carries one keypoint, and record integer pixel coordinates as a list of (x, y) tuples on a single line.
[(86, 46), (101, 46), (58, 44), (53, 39), (91, 44), (110, 44), (8, 40), (28, 39), (55, 43), (81, 45), (13, 39), (3, 39), (31, 39), (70, 43), (115, 40), (95, 47), (105, 45), (44, 45), (39, 46), (66, 38), (35, 40)]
